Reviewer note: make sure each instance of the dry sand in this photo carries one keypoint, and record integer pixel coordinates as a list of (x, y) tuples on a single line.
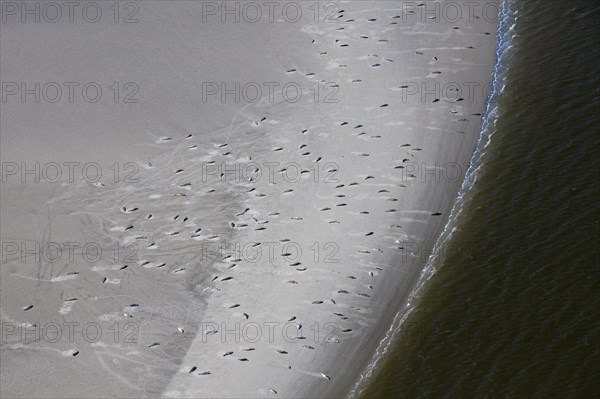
[(279, 278)]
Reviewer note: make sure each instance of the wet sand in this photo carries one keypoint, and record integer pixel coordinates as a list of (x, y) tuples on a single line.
[(264, 246)]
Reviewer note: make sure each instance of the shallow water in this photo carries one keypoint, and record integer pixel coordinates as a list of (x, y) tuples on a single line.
[(512, 309)]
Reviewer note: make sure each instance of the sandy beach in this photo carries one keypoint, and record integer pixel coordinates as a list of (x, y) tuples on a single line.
[(269, 190)]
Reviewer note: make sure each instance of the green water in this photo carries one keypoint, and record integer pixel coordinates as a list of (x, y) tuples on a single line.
[(513, 312)]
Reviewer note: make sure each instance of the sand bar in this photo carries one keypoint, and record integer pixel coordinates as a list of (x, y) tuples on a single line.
[(264, 243)]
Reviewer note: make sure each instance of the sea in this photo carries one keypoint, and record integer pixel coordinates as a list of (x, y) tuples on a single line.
[(509, 306)]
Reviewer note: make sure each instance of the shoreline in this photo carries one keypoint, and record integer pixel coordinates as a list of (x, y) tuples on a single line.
[(380, 357)]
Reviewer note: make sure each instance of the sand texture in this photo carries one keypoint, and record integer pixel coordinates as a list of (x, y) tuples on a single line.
[(264, 246)]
